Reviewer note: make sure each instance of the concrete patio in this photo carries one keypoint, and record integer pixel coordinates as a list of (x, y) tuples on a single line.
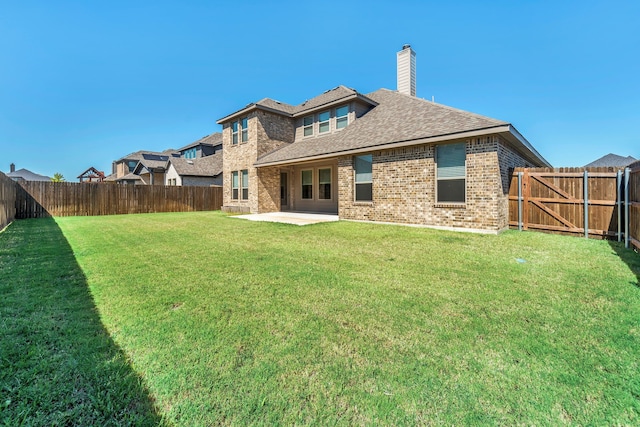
[(296, 218)]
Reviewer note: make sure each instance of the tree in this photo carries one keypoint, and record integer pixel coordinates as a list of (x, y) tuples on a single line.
[(57, 177)]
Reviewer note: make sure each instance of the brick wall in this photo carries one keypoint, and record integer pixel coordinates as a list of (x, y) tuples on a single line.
[(404, 188), (266, 132)]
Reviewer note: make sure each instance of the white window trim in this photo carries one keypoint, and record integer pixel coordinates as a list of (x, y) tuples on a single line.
[(302, 185), (346, 116), (328, 121), (244, 131), (310, 126), (439, 203), (318, 169), (362, 182), (242, 187), (234, 132), (237, 173)]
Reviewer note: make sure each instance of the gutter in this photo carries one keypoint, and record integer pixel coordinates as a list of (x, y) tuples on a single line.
[(508, 129)]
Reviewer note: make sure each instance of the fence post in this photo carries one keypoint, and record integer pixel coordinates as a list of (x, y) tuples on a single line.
[(519, 201), (586, 204), (619, 203), (626, 207)]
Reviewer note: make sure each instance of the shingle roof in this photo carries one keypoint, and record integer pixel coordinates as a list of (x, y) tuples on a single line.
[(27, 175), (397, 118), (329, 97), (202, 166), (612, 160), (333, 95), (212, 140), (139, 155), (128, 177)]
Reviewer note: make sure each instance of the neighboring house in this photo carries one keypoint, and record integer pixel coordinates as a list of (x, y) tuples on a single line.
[(141, 167), (201, 171), (25, 175), (91, 175), (203, 147), (612, 160), (385, 156)]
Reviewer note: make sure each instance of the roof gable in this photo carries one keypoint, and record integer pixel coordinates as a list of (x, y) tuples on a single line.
[(202, 166), (612, 160), (396, 118)]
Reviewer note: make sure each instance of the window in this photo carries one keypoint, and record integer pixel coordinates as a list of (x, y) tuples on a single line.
[(245, 129), (234, 133), (190, 153), (323, 122), (234, 185), (450, 173), (364, 178), (324, 184), (307, 124), (307, 184), (131, 164), (245, 184), (342, 117)]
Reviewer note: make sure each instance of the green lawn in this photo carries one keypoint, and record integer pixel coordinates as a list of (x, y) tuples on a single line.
[(201, 319)]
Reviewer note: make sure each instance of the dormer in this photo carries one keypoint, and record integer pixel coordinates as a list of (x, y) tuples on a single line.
[(329, 112)]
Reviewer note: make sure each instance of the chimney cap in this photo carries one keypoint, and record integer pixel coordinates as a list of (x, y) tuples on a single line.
[(406, 46)]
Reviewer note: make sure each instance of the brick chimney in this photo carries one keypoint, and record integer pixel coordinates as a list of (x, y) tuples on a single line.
[(407, 71), (12, 168)]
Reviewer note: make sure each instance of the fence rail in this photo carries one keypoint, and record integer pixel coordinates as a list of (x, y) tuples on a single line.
[(634, 205), (594, 202), (43, 199), (7, 200)]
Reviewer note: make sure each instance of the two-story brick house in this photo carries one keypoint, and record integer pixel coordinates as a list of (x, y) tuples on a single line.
[(385, 156)]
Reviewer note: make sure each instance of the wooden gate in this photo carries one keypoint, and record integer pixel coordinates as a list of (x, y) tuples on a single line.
[(567, 200)]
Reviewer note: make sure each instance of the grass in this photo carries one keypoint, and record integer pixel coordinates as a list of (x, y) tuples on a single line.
[(215, 320)]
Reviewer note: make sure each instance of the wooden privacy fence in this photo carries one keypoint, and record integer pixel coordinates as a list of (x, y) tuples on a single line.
[(7, 200), (634, 204), (593, 202), (42, 199)]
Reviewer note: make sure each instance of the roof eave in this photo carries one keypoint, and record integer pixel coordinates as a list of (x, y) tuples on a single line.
[(349, 97), (516, 138), (250, 108), (390, 145)]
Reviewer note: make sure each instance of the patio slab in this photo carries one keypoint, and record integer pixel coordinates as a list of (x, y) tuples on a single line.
[(296, 218)]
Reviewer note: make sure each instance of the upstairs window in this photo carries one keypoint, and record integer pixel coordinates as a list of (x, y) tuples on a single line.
[(234, 185), (451, 173), (131, 164), (245, 184), (323, 122), (234, 133), (245, 129), (190, 153), (363, 166), (307, 184), (307, 124), (342, 117)]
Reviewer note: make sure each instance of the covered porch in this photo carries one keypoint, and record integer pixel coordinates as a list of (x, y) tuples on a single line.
[(304, 187)]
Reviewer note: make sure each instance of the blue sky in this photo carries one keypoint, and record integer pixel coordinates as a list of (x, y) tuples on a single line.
[(84, 83)]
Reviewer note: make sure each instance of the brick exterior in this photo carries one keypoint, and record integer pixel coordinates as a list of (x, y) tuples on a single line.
[(404, 189), (266, 132), (404, 179)]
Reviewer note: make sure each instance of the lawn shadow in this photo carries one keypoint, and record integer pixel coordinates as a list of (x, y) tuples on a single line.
[(58, 364), (629, 257)]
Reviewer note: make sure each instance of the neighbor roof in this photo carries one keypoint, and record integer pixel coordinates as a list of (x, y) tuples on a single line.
[(336, 95), (611, 160), (149, 155), (27, 175), (211, 140), (202, 166), (398, 119)]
